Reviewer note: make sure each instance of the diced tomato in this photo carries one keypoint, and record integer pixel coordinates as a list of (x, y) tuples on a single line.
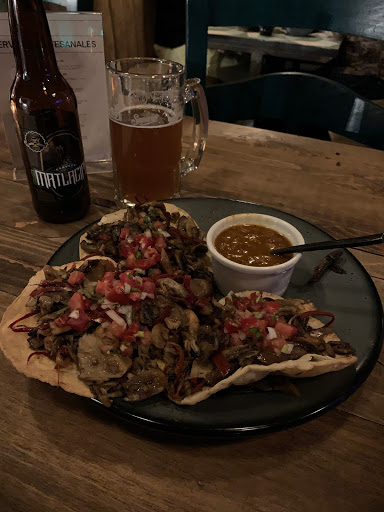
[(203, 301), (235, 339), (149, 286), (108, 277), (151, 252), (271, 307), (248, 323), (131, 260), (126, 249), (271, 320), (285, 330), (221, 363), (158, 224), (105, 283), (239, 304), (255, 297), (141, 220), (80, 323), (135, 296), (147, 338), (133, 328), (153, 258), (117, 329), (87, 303), (116, 294), (159, 242), (76, 302), (230, 327), (278, 343), (102, 287), (124, 233), (126, 277), (62, 320), (143, 241), (76, 277), (256, 306)]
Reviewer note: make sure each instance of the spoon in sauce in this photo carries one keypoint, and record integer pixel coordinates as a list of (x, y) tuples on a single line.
[(332, 244)]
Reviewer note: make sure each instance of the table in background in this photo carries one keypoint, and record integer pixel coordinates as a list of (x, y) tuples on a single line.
[(319, 47), (62, 452)]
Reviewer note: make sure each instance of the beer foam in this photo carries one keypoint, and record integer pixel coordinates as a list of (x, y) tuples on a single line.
[(147, 116)]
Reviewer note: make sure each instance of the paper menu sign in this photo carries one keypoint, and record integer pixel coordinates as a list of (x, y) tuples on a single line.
[(79, 48)]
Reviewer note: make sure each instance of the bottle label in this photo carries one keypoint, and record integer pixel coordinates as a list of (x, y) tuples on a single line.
[(56, 162)]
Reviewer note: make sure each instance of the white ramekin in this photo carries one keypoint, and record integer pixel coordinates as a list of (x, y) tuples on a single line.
[(231, 276)]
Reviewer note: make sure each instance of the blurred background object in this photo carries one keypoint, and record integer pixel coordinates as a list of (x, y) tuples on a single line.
[(129, 27), (157, 28)]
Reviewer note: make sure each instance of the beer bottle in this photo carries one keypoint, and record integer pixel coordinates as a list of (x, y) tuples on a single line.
[(45, 110)]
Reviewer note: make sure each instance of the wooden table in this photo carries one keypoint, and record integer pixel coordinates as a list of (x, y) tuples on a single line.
[(319, 47), (61, 452)]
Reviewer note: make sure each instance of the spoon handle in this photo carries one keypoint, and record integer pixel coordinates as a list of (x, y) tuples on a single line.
[(333, 244)]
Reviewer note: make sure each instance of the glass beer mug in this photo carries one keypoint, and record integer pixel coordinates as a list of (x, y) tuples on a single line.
[(146, 105)]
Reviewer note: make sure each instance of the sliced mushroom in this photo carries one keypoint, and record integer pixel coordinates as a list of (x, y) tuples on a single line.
[(168, 286), (176, 317), (201, 287), (165, 263), (190, 336), (144, 385), (96, 365), (188, 227), (160, 335)]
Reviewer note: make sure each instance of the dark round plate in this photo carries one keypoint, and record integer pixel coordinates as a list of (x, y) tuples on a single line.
[(353, 299)]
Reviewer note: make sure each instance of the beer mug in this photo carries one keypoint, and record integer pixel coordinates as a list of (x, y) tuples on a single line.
[(146, 105)]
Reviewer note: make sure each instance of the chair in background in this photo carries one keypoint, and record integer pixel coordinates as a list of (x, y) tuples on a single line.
[(299, 100)]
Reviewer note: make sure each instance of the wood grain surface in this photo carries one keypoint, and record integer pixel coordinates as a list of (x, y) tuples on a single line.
[(62, 452), (129, 27)]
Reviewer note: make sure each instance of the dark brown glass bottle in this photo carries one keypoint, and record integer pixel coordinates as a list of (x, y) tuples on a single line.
[(45, 110)]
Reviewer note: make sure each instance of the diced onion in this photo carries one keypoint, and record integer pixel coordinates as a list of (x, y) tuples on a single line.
[(128, 315), (93, 307), (242, 335), (127, 288), (272, 334), (74, 314), (287, 348), (143, 295), (107, 304), (129, 239), (114, 316), (148, 233), (150, 295), (124, 309), (164, 233)]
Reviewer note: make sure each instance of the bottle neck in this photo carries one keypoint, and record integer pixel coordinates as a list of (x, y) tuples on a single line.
[(31, 39)]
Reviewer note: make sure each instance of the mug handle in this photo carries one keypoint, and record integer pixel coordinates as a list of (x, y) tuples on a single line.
[(194, 93)]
